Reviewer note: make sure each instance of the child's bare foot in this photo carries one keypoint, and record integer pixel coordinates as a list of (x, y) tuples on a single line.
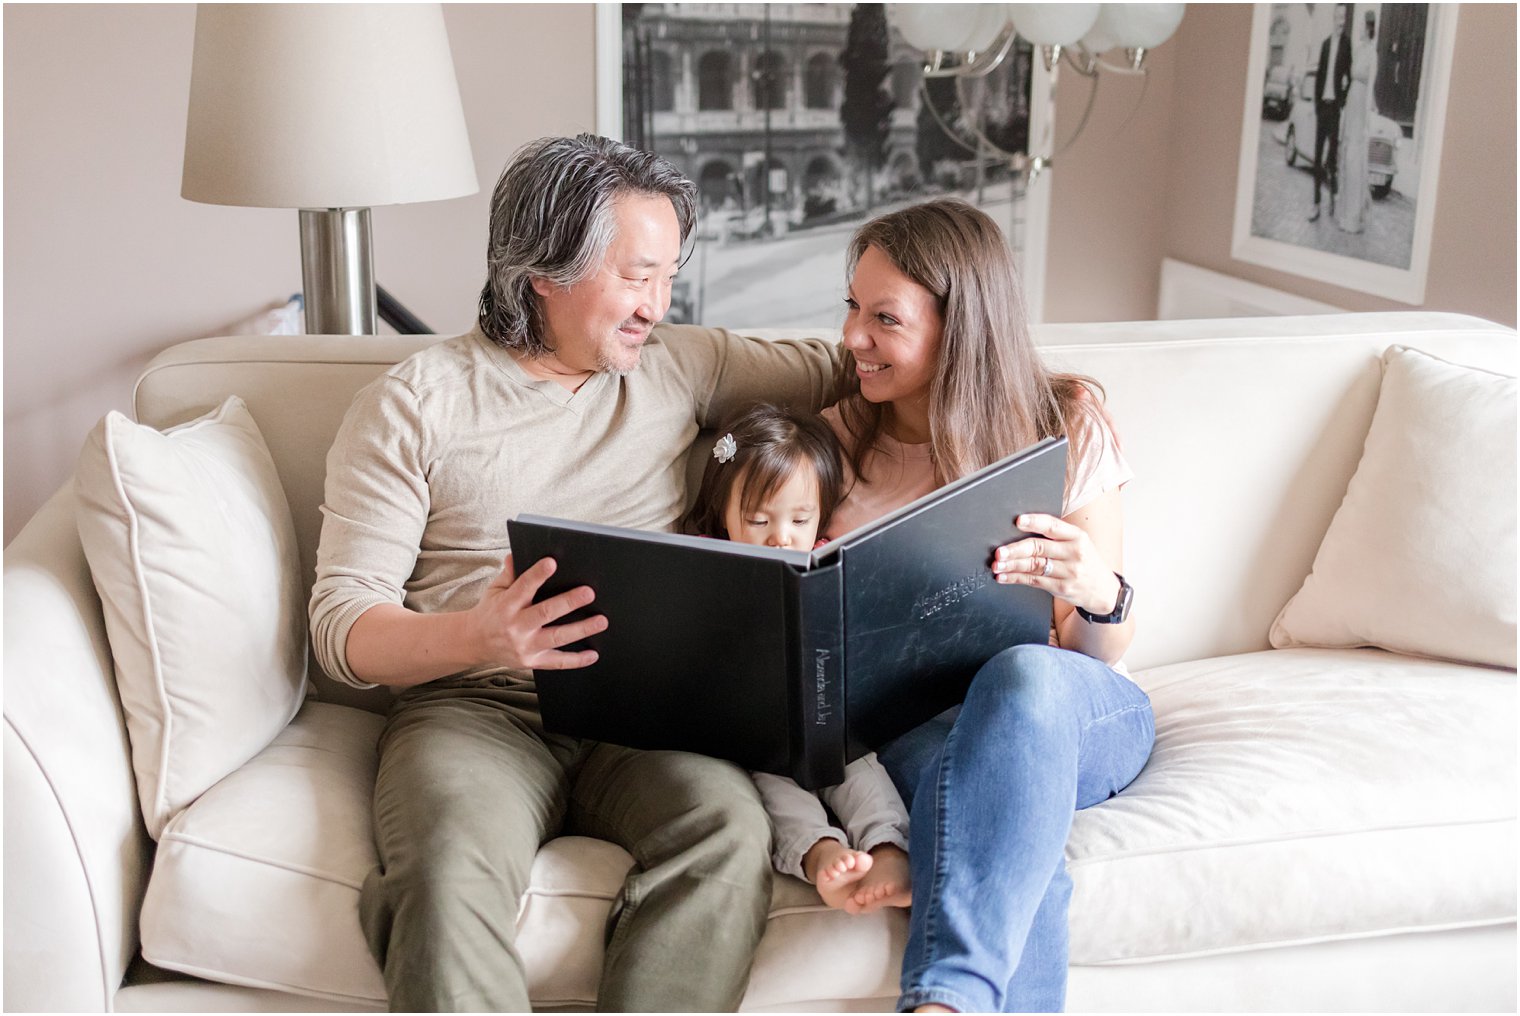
[(887, 883), (836, 870)]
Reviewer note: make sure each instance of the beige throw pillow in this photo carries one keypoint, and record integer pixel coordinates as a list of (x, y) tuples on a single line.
[(190, 542), (1420, 556)]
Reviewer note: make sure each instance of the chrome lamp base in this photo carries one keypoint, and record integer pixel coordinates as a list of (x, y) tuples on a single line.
[(337, 271)]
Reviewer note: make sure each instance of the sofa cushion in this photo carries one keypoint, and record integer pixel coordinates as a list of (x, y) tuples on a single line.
[(191, 547), (1420, 556), (258, 883), (1294, 796), (1303, 795)]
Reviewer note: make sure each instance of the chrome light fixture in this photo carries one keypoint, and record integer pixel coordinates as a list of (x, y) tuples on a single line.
[(969, 41)]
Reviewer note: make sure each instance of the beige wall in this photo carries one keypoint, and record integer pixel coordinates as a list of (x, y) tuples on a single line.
[(1108, 208), (1472, 249), (1164, 185), (105, 264)]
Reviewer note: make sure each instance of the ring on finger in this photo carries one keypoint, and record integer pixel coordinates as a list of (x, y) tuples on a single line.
[(1049, 567)]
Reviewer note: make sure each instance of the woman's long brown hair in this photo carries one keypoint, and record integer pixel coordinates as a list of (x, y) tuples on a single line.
[(991, 394)]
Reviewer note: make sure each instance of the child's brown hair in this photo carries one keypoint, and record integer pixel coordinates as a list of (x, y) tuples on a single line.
[(769, 445)]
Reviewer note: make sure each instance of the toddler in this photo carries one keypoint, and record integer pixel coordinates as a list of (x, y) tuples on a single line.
[(774, 480)]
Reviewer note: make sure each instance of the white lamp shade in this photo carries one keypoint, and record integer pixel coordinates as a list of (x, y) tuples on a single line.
[(1141, 26), (1053, 24), (324, 106), (954, 28)]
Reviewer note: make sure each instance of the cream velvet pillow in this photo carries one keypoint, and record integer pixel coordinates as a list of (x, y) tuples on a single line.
[(191, 546), (1420, 557)]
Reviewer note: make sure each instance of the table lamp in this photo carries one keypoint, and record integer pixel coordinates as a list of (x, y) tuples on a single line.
[(330, 109)]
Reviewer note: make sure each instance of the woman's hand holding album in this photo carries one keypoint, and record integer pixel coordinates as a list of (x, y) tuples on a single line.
[(1061, 559)]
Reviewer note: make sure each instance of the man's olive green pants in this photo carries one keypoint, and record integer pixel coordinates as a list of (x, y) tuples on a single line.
[(470, 785)]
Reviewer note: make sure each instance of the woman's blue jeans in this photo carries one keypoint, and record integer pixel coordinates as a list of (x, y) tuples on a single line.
[(992, 786)]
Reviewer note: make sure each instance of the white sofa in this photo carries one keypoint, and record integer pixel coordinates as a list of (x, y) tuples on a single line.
[(1296, 842)]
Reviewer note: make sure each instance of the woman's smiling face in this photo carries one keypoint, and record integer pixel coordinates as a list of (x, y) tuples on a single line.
[(894, 328)]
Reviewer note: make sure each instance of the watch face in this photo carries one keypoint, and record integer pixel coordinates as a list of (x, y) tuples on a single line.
[(1121, 605), (1126, 594)]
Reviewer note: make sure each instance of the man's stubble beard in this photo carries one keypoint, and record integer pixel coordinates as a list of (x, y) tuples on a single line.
[(607, 365)]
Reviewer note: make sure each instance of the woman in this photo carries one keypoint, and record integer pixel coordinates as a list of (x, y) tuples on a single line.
[(940, 378), (1352, 212)]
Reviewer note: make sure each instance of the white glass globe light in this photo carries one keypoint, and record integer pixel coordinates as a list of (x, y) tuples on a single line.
[(1143, 26), (990, 20), (1053, 24), (936, 26), (1102, 37)]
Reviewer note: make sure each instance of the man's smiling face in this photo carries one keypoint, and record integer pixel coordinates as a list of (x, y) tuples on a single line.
[(601, 322)]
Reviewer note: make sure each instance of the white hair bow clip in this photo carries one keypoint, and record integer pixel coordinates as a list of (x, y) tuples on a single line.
[(726, 448)]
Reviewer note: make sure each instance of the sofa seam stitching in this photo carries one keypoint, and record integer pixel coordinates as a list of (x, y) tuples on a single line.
[(1311, 940), (195, 841), (89, 883), (1294, 838), (1347, 338), (134, 545), (249, 982)]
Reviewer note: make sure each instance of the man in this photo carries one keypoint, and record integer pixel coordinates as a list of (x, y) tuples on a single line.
[(563, 401), (1329, 99)]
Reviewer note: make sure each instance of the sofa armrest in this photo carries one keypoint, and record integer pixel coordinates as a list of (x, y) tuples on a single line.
[(76, 851)]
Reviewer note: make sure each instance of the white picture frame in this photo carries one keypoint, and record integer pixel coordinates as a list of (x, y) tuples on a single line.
[(1274, 195), (1026, 226)]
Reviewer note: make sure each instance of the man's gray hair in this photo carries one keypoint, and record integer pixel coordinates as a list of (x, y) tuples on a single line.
[(551, 218)]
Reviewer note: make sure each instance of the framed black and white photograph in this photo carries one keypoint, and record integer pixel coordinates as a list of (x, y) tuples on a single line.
[(1341, 145), (798, 122)]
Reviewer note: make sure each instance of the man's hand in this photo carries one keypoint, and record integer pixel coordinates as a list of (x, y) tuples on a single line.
[(392, 645), (513, 631)]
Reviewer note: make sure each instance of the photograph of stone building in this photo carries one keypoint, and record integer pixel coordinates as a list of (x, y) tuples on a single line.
[(797, 122)]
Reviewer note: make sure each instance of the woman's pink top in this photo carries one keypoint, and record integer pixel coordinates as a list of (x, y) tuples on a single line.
[(900, 473)]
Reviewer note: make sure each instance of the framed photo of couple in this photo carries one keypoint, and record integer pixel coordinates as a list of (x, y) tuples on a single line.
[(1341, 144)]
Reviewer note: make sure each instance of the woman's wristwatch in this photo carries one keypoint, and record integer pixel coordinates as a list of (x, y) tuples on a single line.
[(1121, 606)]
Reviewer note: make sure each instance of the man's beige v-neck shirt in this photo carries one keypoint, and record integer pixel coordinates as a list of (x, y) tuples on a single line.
[(438, 453)]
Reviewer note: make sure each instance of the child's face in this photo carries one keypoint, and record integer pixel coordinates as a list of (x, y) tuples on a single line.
[(788, 518)]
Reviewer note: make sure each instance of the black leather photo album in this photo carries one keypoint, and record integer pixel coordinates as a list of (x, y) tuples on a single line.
[(792, 662)]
